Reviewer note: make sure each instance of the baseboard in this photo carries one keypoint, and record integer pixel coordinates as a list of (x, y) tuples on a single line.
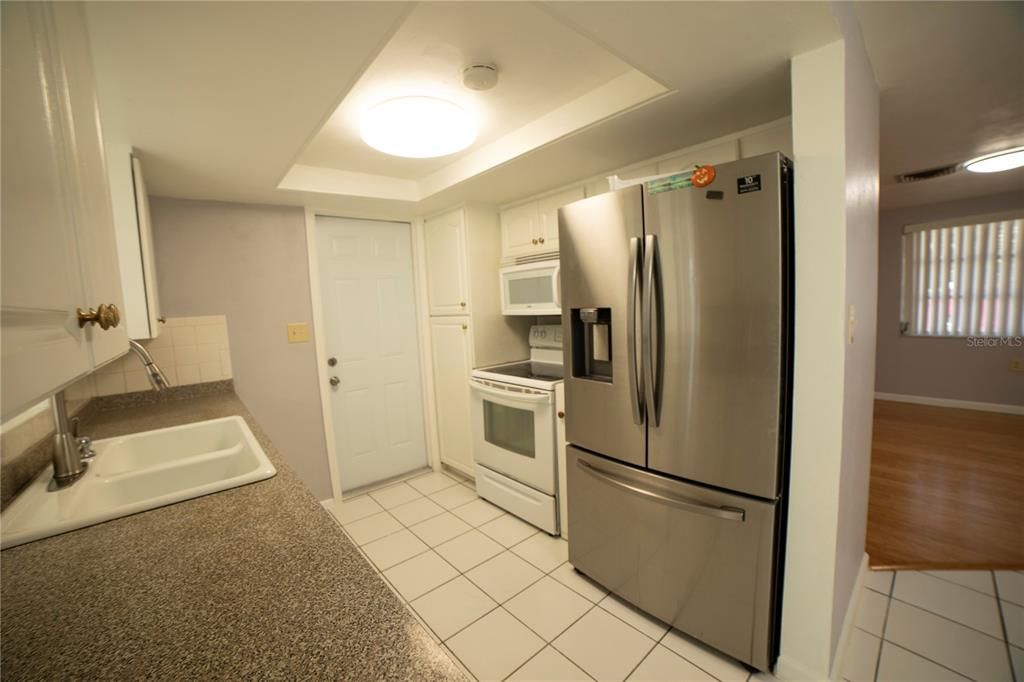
[(789, 669), (849, 620), (949, 402), (459, 469)]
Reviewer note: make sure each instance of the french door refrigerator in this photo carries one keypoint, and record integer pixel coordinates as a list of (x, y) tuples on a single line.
[(678, 304)]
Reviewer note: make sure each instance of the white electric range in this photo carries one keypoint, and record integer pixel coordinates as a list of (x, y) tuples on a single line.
[(514, 427)]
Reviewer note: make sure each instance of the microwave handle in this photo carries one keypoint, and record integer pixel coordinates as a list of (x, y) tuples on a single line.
[(557, 277)]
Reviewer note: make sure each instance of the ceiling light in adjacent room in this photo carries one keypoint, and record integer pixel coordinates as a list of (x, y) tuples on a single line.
[(418, 127), (1000, 161)]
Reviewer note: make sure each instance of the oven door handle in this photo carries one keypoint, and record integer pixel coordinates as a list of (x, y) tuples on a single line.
[(513, 396)]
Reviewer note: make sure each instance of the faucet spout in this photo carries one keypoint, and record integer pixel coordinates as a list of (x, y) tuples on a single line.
[(156, 376)]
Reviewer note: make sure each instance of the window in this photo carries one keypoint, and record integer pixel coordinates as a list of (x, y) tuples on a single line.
[(964, 277)]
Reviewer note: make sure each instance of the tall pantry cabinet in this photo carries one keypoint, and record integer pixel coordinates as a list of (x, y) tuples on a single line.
[(462, 249)]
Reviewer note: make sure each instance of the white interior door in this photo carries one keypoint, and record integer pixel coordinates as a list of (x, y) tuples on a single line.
[(369, 316)]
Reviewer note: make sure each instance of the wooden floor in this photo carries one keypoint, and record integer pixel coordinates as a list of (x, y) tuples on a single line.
[(947, 488)]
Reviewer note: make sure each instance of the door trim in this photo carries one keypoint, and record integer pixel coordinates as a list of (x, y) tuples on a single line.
[(316, 303)]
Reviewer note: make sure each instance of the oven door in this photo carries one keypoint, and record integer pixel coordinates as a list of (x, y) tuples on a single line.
[(532, 289), (514, 432)]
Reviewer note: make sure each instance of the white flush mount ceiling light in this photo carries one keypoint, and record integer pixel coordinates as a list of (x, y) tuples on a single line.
[(1000, 161), (418, 127)]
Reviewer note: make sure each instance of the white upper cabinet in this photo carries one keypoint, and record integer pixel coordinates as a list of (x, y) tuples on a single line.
[(58, 251), (447, 280), (88, 176), (547, 234), (134, 242), (709, 155), (519, 227), (531, 229)]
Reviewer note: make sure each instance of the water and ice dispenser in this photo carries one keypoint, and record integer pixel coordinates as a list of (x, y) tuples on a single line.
[(592, 359)]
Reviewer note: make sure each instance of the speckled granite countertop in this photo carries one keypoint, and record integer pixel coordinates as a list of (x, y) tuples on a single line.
[(256, 582)]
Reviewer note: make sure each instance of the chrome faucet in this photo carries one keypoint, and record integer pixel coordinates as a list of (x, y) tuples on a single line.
[(72, 451), (153, 371)]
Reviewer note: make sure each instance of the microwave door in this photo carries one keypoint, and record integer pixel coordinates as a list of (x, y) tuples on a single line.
[(530, 290), (600, 241)]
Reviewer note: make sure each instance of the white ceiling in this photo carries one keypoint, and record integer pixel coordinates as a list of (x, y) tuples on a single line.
[(951, 76), (542, 65), (222, 98)]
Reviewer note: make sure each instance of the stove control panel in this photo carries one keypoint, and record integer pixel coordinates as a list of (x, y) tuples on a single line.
[(546, 336)]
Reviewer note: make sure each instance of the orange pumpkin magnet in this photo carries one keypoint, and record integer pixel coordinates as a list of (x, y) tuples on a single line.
[(703, 176)]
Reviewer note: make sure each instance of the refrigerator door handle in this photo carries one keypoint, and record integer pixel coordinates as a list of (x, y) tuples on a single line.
[(650, 329), (725, 513), (636, 386)]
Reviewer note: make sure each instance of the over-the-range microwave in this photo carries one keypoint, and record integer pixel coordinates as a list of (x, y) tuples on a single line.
[(531, 289)]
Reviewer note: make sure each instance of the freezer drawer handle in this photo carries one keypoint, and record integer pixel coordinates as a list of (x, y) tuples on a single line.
[(727, 513)]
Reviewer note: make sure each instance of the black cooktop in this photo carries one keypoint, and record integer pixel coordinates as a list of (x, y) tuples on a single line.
[(529, 370)]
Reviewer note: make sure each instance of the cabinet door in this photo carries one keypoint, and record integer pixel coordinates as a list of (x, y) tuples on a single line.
[(452, 359), (560, 445), (134, 242), (519, 231), (447, 281), (547, 235), (88, 180), (42, 345)]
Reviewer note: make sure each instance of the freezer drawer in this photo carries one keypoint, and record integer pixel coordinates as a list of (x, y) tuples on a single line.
[(699, 559)]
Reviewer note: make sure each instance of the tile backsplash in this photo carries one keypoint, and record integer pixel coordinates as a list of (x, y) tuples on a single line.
[(190, 350)]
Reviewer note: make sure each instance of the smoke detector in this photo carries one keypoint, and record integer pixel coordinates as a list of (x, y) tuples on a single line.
[(480, 76)]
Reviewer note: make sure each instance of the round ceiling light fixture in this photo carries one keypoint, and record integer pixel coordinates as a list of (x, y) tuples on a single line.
[(1008, 159), (418, 127)]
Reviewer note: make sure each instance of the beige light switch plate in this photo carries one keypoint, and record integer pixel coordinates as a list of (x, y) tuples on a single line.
[(298, 332)]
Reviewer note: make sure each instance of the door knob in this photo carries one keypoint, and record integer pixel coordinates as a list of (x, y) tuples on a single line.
[(331, 362), (335, 381), (106, 316)]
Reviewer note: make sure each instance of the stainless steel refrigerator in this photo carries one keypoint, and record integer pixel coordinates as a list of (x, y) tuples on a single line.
[(678, 303)]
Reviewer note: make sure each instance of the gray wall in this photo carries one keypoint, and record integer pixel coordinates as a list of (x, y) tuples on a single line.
[(938, 368), (249, 263)]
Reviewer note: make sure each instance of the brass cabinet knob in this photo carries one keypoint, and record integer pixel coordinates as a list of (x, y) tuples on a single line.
[(106, 316), (465, 326), (335, 381), (541, 240), (561, 415), (534, 241), (462, 304)]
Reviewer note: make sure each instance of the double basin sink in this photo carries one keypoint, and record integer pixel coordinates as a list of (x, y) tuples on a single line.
[(137, 472)]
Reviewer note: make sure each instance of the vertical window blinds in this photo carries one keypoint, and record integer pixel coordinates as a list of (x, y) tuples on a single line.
[(964, 278)]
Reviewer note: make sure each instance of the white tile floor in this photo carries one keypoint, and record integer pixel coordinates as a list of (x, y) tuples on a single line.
[(502, 598), (938, 625)]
